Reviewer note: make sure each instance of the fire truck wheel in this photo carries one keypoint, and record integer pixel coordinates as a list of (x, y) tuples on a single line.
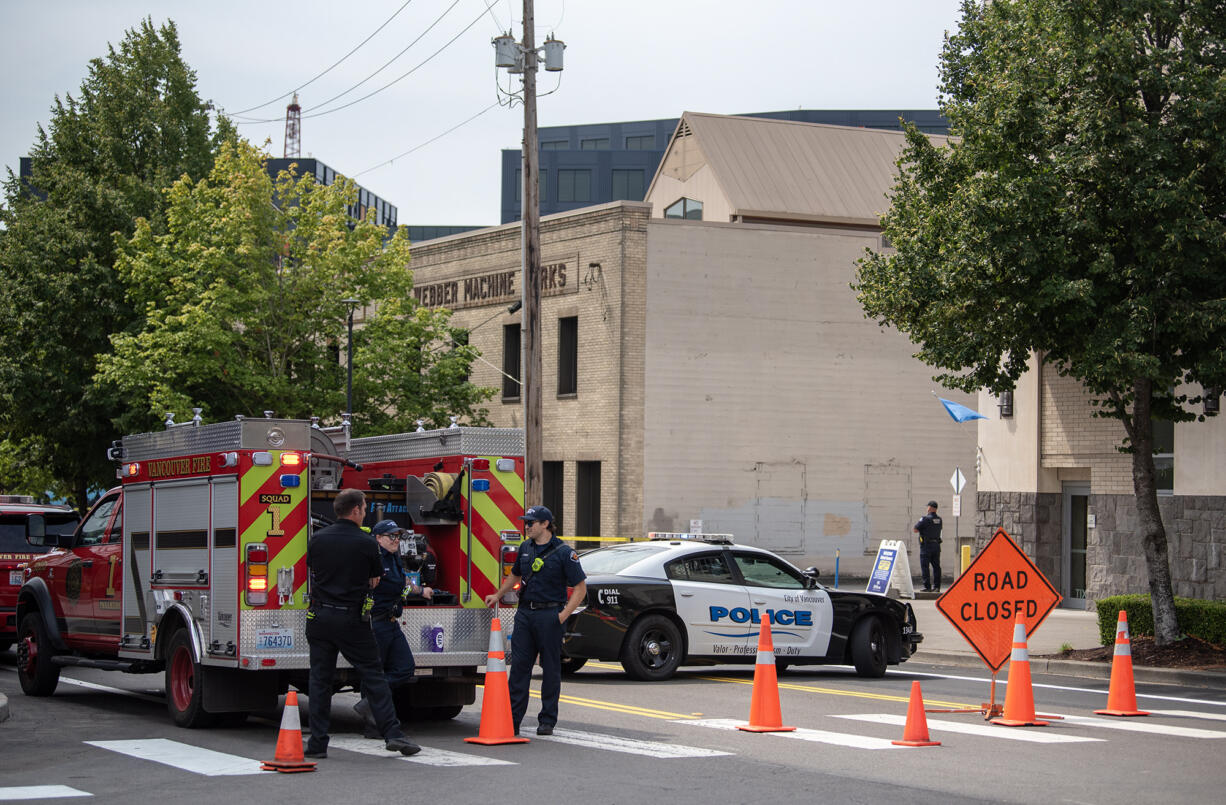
[(38, 675), (185, 684), (653, 649), (571, 665), (868, 648)]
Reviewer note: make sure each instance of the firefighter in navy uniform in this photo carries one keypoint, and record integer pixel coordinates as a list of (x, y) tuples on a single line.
[(344, 565), (547, 566), (929, 530), (394, 653)]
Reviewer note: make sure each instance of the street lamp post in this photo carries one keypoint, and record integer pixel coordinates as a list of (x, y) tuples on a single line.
[(352, 305)]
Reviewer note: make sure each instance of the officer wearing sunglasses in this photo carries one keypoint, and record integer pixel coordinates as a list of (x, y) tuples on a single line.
[(546, 566)]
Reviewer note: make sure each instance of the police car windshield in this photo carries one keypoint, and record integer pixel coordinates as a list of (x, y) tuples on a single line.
[(619, 557), (13, 531)]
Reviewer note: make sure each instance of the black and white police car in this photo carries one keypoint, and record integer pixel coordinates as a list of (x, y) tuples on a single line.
[(689, 599)]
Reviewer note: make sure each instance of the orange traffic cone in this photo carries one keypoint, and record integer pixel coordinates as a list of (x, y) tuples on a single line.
[(289, 758), (1019, 699), (1122, 694), (915, 732), (496, 726), (764, 714)]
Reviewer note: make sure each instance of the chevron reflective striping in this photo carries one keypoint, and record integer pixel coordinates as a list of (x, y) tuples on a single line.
[(183, 756), (256, 520), (969, 728), (489, 514)]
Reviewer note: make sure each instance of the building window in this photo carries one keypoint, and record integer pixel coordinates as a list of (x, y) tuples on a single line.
[(628, 184), (644, 142), (594, 144), (555, 145), (1164, 456), (587, 499), (551, 491), (461, 340), (568, 355), (543, 186), (510, 362), (684, 208), (574, 185)]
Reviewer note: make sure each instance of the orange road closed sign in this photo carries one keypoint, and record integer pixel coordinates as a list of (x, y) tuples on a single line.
[(986, 601)]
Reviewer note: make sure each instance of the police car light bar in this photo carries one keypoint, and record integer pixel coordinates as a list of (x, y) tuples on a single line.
[(714, 539)]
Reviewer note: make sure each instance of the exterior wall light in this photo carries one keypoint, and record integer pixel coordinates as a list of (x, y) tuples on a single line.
[(1006, 405)]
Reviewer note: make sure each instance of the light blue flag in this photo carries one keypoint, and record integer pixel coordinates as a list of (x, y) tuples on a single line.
[(960, 413)]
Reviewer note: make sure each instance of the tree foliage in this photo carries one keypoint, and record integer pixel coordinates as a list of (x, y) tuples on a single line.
[(103, 161), (243, 305), (1079, 212)]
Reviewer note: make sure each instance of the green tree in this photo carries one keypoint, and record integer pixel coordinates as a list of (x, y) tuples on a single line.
[(104, 159), (1080, 213), (243, 304)]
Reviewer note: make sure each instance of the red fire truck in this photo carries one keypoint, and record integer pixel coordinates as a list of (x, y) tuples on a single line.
[(15, 551), (195, 565)]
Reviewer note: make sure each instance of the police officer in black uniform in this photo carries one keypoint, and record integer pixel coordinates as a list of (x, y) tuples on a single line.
[(344, 564), (389, 596), (547, 566), (929, 530)]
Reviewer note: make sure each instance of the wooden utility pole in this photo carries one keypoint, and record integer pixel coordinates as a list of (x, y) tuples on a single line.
[(531, 217)]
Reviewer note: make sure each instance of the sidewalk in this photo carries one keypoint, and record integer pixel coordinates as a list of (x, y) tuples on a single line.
[(944, 645)]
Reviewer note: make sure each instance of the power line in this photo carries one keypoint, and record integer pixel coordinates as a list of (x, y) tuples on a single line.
[(325, 72), (427, 142)]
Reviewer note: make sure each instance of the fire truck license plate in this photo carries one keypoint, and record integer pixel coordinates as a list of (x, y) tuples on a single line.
[(15, 578), (274, 638)]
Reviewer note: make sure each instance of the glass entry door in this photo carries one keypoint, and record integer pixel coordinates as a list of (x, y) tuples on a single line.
[(1075, 537)]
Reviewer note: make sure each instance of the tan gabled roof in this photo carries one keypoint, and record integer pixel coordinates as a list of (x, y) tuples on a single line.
[(794, 170)]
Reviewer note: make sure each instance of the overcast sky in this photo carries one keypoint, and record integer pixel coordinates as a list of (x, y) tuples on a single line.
[(625, 60)]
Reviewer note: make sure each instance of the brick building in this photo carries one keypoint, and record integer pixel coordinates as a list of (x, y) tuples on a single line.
[(716, 366)]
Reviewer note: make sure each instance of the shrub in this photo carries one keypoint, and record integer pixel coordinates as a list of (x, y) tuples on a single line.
[(1198, 618)]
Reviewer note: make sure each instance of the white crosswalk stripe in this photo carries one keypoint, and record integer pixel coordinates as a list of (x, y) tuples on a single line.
[(427, 756), (632, 746), (40, 792), (1141, 725), (800, 734), (1037, 735), (183, 756), (1190, 714)]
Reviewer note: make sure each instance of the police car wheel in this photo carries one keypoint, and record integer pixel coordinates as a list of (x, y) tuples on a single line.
[(868, 648), (37, 674), (653, 649), (571, 665)]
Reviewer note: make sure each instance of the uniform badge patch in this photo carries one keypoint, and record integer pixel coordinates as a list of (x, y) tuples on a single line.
[(574, 557)]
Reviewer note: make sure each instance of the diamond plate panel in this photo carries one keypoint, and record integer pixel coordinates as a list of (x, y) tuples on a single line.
[(184, 440), (448, 441)]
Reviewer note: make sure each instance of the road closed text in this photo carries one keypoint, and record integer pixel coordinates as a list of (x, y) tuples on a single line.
[(1007, 582)]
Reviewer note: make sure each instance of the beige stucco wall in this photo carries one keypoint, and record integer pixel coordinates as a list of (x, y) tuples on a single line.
[(701, 186), (773, 409), (1009, 447)]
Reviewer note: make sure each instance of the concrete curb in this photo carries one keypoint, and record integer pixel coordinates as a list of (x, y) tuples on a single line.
[(1090, 670), (4, 708)]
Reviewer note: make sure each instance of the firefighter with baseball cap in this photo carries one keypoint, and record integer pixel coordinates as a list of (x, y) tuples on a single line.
[(389, 597), (546, 566)]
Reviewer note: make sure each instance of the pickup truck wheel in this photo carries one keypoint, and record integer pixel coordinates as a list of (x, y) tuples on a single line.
[(185, 684), (652, 650), (39, 676), (868, 648)]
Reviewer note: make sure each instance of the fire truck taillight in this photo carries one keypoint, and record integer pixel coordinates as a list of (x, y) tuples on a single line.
[(510, 553), (132, 469), (291, 460), (481, 464), (256, 593)]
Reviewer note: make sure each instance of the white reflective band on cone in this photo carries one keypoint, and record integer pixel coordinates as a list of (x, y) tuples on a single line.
[(495, 665), (1020, 654), (1019, 633), (1122, 629), (766, 658), (1123, 650), (290, 719), (495, 640)]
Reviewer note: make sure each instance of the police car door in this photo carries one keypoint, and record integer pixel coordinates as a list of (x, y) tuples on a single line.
[(713, 606), (800, 618)]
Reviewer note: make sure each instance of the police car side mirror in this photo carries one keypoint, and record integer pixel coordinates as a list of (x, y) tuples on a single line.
[(811, 574), (36, 529)]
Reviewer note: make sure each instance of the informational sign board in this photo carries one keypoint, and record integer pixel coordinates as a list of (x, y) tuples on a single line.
[(957, 507), (985, 602), (891, 568)]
